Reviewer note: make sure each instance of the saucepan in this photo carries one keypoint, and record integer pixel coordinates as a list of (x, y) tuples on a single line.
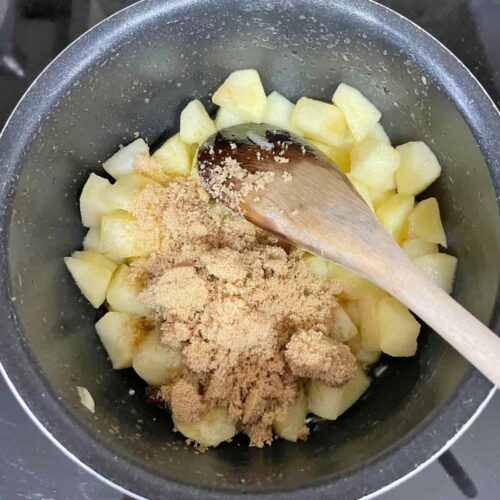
[(134, 72)]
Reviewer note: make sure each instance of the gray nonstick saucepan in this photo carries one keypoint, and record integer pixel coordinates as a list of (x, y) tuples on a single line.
[(134, 72)]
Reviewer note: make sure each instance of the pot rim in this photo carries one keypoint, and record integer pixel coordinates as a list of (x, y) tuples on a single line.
[(35, 396)]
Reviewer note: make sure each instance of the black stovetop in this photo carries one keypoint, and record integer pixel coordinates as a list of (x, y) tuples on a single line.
[(32, 32)]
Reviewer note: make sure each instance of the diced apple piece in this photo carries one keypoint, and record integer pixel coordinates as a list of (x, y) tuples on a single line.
[(375, 163), (156, 362), (369, 325), (279, 112), (362, 190), (393, 215), (419, 168), (324, 148), (95, 258), (123, 293), (93, 200), (317, 265), (361, 115), (354, 286), (440, 267), (379, 134), (211, 429), (122, 162), (398, 328), (351, 307), (196, 124), (341, 156), (320, 121), (243, 95), (363, 356), (331, 402), (124, 192), (225, 119), (120, 334), (92, 241), (92, 273), (291, 425), (151, 168), (341, 327), (417, 247), (195, 175), (380, 197), (425, 222), (122, 235), (175, 156)]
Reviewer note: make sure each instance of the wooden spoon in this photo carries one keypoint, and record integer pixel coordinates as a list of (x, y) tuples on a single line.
[(312, 204)]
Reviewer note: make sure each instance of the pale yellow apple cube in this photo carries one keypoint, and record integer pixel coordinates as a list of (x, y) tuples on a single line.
[(225, 119), (320, 121), (175, 157), (340, 156), (379, 134), (92, 241), (419, 168), (331, 402), (361, 115), (440, 267), (155, 362), (317, 265), (425, 223), (393, 215), (122, 162), (92, 273), (375, 163), (120, 334), (210, 429), (364, 356), (362, 190), (341, 327), (93, 200), (279, 112), (398, 328), (354, 286), (324, 148), (124, 192), (351, 307), (417, 247), (291, 425), (123, 293), (369, 325), (380, 197), (242, 94), (196, 124), (122, 235)]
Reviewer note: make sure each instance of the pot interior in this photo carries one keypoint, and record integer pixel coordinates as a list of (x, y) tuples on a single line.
[(138, 77)]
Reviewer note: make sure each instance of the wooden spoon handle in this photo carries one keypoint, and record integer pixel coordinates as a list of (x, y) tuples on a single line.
[(474, 341)]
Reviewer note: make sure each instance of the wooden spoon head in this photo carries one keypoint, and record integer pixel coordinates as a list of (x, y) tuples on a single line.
[(307, 200)]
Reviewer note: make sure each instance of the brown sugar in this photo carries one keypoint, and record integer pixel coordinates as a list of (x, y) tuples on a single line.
[(237, 305), (150, 167), (185, 400), (314, 355), (231, 183)]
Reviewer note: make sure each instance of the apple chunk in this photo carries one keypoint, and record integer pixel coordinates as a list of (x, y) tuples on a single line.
[(331, 402), (92, 273)]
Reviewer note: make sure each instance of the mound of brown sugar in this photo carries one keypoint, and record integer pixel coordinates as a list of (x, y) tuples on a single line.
[(223, 179), (240, 308)]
